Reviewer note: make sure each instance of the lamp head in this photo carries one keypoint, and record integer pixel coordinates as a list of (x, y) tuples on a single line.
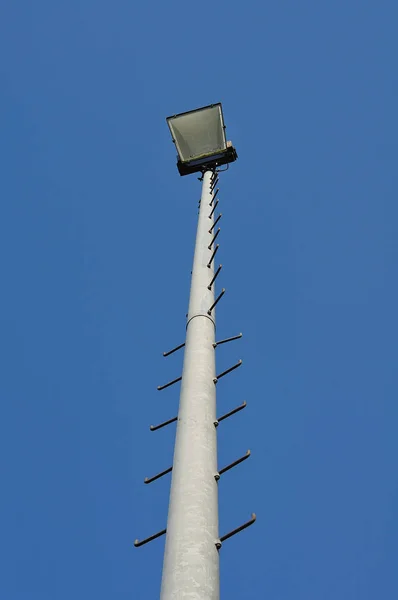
[(199, 136)]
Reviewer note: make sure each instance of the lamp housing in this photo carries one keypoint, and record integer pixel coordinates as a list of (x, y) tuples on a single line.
[(199, 137)]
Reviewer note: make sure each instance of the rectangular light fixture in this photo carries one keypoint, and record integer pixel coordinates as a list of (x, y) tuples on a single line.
[(199, 136)]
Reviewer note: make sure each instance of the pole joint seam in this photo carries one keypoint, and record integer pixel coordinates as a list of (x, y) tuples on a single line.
[(200, 315)]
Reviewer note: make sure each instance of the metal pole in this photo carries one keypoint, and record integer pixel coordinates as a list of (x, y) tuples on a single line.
[(191, 562)]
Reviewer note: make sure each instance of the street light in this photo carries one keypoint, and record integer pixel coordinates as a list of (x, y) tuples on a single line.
[(199, 136), (191, 556), (191, 561)]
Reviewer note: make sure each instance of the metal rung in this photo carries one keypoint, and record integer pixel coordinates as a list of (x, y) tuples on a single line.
[(230, 413), (238, 364), (139, 543), (174, 350), (213, 209), (216, 301), (215, 222), (214, 238), (212, 256), (231, 339), (214, 196), (235, 531), (166, 385), (155, 427), (213, 184), (214, 277), (232, 465), (158, 476)]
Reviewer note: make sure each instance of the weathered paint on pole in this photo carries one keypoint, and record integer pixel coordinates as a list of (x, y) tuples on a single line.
[(191, 561)]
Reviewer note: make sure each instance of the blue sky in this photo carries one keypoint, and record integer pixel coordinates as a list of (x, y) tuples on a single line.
[(96, 243)]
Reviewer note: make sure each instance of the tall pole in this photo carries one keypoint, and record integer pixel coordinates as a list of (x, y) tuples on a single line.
[(191, 562)]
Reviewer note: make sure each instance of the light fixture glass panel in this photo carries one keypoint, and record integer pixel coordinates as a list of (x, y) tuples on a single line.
[(198, 133)]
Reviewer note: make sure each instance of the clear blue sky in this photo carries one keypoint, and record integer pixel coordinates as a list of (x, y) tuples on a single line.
[(96, 248)]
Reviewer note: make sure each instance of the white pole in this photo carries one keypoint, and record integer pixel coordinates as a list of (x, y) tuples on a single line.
[(191, 562)]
